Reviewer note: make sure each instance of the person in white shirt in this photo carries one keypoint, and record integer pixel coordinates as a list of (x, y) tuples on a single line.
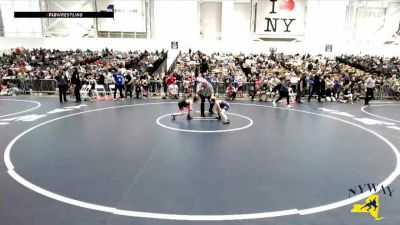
[(173, 91), (240, 80), (370, 83), (201, 78), (273, 82), (205, 91)]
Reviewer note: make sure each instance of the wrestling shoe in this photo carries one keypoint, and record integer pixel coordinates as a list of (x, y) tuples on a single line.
[(218, 117), (226, 122), (189, 117), (173, 117), (202, 115), (211, 112), (289, 106), (274, 103)]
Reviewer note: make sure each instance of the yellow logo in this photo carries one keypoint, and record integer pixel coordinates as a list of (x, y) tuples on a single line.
[(371, 206)]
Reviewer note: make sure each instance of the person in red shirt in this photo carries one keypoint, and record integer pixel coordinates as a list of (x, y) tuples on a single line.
[(258, 83), (171, 79)]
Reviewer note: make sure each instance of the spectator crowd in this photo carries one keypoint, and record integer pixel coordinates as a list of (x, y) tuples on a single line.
[(343, 78), (97, 66), (328, 79)]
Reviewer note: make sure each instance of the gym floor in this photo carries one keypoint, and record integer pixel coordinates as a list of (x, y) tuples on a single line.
[(127, 162)]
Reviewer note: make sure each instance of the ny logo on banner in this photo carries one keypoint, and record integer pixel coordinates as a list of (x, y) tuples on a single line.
[(272, 23)]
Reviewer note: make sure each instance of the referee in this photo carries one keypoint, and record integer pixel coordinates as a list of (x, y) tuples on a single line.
[(370, 83), (205, 90), (76, 81)]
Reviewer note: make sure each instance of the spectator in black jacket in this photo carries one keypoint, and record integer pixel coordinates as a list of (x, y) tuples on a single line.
[(101, 79), (62, 83), (129, 84), (300, 87), (204, 66), (76, 82), (322, 87), (316, 88)]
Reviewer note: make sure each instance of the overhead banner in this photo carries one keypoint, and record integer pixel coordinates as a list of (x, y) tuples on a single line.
[(392, 19), (129, 16), (174, 45), (280, 17), (369, 21), (328, 48)]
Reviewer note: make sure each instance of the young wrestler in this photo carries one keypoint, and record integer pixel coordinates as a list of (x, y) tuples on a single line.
[(283, 88), (222, 107), (182, 104)]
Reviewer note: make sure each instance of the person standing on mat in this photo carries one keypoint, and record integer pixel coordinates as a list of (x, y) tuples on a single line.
[(300, 87), (316, 88), (222, 107), (76, 81), (62, 83), (128, 83), (182, 104), (205, 91), (370, 83), (119, 84), (283, 89)]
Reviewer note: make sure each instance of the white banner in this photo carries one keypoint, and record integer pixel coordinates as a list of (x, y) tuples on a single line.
[(280, 17), (369, 21), (129, 16), (392, 19)]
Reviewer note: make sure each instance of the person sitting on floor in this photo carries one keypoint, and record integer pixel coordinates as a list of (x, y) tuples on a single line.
[(347, 96), (230, 92), (329, 94), (4, 90), (138, 89)]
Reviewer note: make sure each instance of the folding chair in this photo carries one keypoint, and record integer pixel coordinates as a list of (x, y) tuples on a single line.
[(85, 92), (99, 90)]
